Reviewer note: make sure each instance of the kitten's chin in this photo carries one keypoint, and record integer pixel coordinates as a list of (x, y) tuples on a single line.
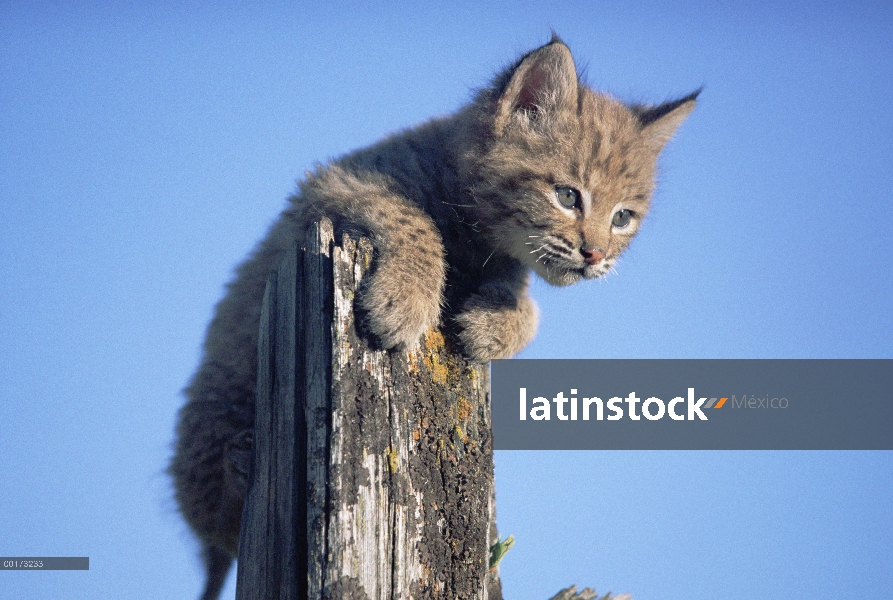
[(568, 276), (558, 276)]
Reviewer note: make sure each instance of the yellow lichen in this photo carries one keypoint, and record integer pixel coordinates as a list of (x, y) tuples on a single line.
[(463, 408), (434, 341), (444, 367), (434, 344), (392, 458)]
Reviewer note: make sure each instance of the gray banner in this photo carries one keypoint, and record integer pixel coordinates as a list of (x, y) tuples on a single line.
[(692, 404), (45, 563)]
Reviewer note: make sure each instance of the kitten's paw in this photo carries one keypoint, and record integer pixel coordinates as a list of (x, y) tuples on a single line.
[(400, 305), (496, 324)]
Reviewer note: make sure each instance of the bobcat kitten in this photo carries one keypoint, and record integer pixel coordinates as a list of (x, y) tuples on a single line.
[(538, 173)]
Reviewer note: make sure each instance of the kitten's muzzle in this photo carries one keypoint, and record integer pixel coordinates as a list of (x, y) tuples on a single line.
[(592, 256)]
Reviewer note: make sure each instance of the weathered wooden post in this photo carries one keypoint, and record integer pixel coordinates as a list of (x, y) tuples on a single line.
[(373, 471)]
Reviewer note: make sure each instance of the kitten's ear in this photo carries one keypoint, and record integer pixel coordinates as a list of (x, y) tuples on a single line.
[(542, 81), (659, 123)]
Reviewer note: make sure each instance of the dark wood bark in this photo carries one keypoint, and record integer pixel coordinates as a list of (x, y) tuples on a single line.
[(373, 470)]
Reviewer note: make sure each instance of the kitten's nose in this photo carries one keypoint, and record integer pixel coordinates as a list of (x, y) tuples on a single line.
[(592, 255)]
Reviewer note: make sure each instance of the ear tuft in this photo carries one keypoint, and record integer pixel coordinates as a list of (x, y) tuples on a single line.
[(556, 39), (659, 123)]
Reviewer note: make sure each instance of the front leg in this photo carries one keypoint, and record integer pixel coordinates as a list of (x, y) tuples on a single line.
[(403, 295), (498, 320)]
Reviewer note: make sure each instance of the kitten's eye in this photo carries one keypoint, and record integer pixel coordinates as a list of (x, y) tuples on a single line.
[(622, 218), (567, 197)]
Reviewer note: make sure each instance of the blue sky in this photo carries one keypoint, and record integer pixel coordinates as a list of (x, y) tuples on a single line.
[(145, 148)]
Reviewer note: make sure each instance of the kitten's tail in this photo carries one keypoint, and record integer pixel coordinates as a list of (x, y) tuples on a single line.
[(217, 565)]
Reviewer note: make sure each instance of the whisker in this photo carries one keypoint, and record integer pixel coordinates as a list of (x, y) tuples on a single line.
[(488, 258)]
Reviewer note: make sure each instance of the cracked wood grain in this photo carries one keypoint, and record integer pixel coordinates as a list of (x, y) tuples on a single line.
[(373, 470)]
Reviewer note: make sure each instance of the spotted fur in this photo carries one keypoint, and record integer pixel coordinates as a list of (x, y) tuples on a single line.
[(460, 210)]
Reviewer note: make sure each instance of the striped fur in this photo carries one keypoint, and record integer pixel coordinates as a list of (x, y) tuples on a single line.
[(460, 210)]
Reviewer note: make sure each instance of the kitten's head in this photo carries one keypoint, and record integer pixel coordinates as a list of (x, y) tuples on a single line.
[(564, 175)]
